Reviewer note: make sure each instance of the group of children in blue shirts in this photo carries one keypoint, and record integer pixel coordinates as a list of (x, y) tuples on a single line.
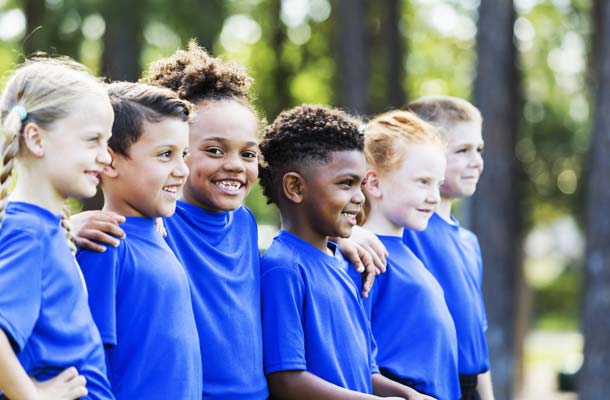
[(198, 313)]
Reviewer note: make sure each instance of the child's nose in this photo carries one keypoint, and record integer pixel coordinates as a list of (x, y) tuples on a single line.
[(476, 161), (104, 156), (434, 196), (358, 197), (234, 163), (181, 169)]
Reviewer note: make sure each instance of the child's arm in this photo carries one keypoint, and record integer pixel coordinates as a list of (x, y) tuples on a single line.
[(383, 386), (303, 385), (17, 385), (97, 226), (484, 387), (366, 252)]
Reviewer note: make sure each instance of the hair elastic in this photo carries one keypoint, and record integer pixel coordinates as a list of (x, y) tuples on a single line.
[(19, 109)]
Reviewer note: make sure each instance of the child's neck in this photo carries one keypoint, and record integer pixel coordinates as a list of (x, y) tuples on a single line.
[(318, 241), (443, 209), (35, 191), (380, 225)]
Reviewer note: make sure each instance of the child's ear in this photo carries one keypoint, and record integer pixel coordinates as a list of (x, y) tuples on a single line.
[(33, 139), (372, 183), (110, 170), (292, 187)]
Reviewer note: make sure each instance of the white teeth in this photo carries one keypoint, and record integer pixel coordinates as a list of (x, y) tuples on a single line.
[(229, 185), (170, 189)]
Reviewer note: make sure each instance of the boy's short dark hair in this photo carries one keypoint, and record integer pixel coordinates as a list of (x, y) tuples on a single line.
[(134, 103), (304, 135), (444, 111)]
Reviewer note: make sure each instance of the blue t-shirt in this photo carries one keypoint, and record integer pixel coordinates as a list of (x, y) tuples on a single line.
[(313, 318), (219, 251), (140, 300), (43, 304), (453, 255), (412, 326)]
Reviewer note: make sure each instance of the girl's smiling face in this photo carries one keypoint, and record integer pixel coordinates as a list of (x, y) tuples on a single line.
[(223, 156)]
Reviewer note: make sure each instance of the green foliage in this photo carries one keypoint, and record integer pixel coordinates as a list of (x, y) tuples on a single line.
[(557, 305)]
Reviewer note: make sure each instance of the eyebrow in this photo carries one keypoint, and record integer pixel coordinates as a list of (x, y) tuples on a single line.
[(224, 140)]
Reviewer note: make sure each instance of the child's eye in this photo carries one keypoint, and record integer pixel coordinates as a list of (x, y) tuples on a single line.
[(480, 150), (215, 151), (185, 154), (249, 154), (347, 182), (165, 154)]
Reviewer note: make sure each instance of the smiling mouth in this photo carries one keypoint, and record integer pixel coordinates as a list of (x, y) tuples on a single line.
[(173, 189), (231, 186)]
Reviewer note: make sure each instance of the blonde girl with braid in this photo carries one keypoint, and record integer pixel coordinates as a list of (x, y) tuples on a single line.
[(55, 123)]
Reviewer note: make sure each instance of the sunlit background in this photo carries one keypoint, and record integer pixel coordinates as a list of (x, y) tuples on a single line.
[(291, 48)]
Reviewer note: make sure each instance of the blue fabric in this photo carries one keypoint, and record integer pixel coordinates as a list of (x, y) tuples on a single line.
[(313, 318), (140, 299), (453, 255), (412, 325), (219, 251), (43, 304)]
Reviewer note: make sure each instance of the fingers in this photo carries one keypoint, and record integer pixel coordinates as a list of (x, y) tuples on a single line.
[(368, 278), (77, 387), (96, 229), (378, 253), (67, 374)]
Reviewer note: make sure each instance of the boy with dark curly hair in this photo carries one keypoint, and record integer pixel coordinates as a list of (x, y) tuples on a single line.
[(317, 340)]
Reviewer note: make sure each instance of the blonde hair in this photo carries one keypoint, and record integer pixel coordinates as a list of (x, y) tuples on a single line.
[(386, 140), (41, 91), (444, 111)]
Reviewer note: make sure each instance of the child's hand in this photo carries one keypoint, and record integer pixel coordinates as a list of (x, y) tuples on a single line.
[(68, 385), (362, 261), (372, 245), (97, 226)]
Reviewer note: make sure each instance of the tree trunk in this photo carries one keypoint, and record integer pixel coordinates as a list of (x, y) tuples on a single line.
[(122, 40), (34, 15), (280, 71), (594, 380), (495, 208), (394, 53), (353, 68)]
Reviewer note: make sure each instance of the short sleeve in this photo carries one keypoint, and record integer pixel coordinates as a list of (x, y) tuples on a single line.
[(282, 310), (101, 271), (21, 256)]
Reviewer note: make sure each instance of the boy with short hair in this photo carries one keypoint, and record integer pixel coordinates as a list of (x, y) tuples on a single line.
[(138, 292), (451, 252), (317, 339)]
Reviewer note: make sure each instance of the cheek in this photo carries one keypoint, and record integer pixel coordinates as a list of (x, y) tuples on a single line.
[(252, 172)]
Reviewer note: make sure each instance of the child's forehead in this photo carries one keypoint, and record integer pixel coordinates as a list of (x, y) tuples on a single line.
[(343, 162), (167, 131), (463, 132), (224, 119)]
